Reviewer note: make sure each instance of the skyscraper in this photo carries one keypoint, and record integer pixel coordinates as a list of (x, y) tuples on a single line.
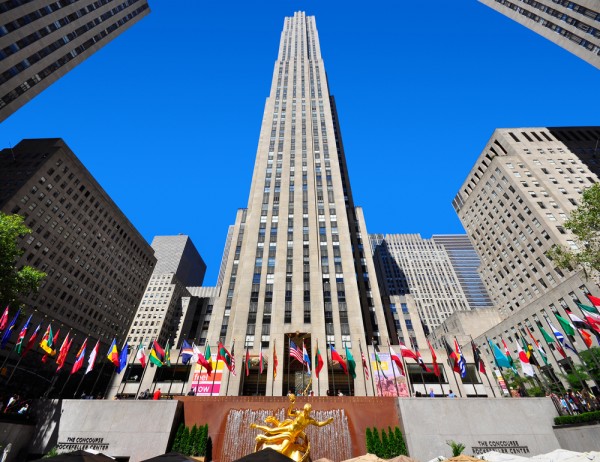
[(299, 267), (571, 25), (42, 40)]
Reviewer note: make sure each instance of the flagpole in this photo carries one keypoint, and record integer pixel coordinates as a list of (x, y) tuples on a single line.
[(498, 366), (317, 365), (173, 376), (451, 366), (78, 385), (348, 374), (539, 367), (229, 375), (274, 374), (288, 368), (363, 367), (371, 370), (332, 376), (69, 376), (479, 372), (128, 370), (246, 366), (394, 370), (581, 335), (215, 372), (190, 363), (14, 369), (377, 366), (303, 366), (97, 378), (143, 374), (562, 385), (539, 380)]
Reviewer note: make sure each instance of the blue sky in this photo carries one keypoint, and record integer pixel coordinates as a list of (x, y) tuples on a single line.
[(167, 115)]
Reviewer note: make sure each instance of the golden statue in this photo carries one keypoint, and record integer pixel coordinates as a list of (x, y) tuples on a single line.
[(288, 437)]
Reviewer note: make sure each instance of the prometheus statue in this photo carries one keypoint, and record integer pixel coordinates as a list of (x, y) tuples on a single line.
[(288, 437)]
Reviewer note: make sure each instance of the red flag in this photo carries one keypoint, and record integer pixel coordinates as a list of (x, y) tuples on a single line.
[(247, 362), (336, 357), (62, 354), (595, 300), (318, 362), (397, 360), (79, 358), (407, 352), (436, 367), (587, 338), (365, 365), (4, 319), (452, 356), (31, 340)]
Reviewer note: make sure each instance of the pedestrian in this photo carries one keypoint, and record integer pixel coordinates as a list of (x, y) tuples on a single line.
[(451, 394), (191, 392), (24, 409), (431, 393), (157, 394), (11, 403)]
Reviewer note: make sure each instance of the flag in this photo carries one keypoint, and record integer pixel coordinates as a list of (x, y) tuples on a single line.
[(507, 354), (524, 360), (589, 309), (477, 358), (113, 353), (549, 339), (79, 357), (167, 354), (200, 358), (394, 357), (351, 362), (305, 357), (46, 343), (539, 347), (318, 362), (123, 358), (157, 354), (275, 361), (378, 360), (50, 351), (566, 325), (186, 352), (365, 365), (4, 319), (19, 345), (421, 362), (62, 352), (560, 337), (261, 365), (295, 352), (576, 321), (436, 367), (336, 357), (92, 358), (462, 362), (31, 340), (499, 357), (407, 352), (141, 354), (207, 359), (587, 338), (527, 348), (595, 300), (226, 357), (452, 357), (247, 362), (8, 330)]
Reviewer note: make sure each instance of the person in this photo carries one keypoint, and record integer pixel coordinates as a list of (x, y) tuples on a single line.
[(191, 392), (145, 394), (340, 393), (328, 392), (11, 402), (157, 394), (24, 409), (312, 393), (431, 393), (451, 394)]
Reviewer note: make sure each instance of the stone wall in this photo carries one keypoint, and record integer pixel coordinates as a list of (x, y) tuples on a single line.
[(579, 438), (18, 436)]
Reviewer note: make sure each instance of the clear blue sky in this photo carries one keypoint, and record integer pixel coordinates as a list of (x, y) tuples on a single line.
[(167, 115)]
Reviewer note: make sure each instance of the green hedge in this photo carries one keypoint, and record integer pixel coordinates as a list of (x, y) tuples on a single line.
[(586, 417)]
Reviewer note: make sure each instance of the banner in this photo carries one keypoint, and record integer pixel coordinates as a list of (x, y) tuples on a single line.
[(501, 382), (202, 384), (383, 376)]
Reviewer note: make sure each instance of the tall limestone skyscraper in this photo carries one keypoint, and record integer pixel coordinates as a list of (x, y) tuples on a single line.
[(299, 268)]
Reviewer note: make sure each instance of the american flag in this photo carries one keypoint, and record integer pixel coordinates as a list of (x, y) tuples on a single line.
[(365, 365), (295, 352)]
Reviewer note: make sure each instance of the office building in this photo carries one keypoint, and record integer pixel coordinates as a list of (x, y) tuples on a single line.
[(299, 267), (42, 40), (513, 205), (409, 264), (97, 263), (571, 25)]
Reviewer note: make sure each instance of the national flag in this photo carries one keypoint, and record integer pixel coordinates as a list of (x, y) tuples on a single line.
[(452, 357), (9, 330), (336, 357), (200, 358), (141, 354), (499, 357), (92, 358), (462, 362), (207, 359), (528, 349), (595, 300), (275, 362), (560, 337), (587, 338), (507, 354), (46, 342), (479, 364), (550, 339), (50, 351), (63, 351), (524, 360), (21, 338), (318, 362), (576, 321), (31, 340), (305, 357), (167, 354), (247, 362), (378, 360), (394, 357), (436, 367), (295, 352), (421, 363), (407, 352), (566, 325), (157, 354), (113, 353), (123, 358), (539, 347), (589, 309), (351, 363), (226, 357), (186, 352), (79, 357), (4, 319), (261, 364), (365, 365)]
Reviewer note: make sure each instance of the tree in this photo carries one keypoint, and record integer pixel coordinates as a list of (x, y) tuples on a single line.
[(369, 441), (177, 441), (584, 224), (385, 445), (194, 440), (591, 358), (14, 283), (400, 441)]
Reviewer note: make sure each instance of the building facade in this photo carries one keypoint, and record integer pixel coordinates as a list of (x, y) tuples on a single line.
[(97, 263), (571, 25), (409, 264), (299, 267), (42, 40), (513, 205)]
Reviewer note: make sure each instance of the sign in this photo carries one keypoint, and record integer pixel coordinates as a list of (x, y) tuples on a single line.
[(501, 382), (506, 447), (387, 378), (202, 384), (82, 444)]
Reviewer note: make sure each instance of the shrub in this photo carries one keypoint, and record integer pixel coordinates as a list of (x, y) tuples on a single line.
[(586, 417), (457, 448)]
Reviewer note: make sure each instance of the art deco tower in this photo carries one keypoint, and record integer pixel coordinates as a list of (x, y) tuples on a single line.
[(299, 266)]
